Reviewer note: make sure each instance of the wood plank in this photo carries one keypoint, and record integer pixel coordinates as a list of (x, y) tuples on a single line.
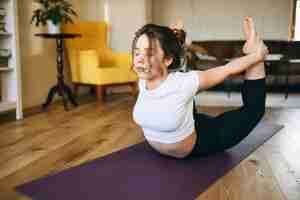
[(244, 179), (57, 140), (29, 150)]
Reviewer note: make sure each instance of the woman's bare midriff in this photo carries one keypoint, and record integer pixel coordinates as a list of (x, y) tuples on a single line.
[(178, 149)]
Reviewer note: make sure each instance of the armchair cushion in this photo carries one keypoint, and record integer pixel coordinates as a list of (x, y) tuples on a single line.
[(88, 64), (88, 57)]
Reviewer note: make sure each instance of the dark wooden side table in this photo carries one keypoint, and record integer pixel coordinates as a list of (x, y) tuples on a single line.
[(61, 88)]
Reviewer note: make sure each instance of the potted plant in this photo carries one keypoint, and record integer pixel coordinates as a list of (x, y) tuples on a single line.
[(53, 13)]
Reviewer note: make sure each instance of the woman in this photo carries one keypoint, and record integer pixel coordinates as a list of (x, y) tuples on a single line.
[(164, 108)]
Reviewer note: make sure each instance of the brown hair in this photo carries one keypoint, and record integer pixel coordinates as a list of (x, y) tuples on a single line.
[(170, 44)]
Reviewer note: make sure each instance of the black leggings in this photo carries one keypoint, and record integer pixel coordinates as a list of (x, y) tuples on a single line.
[(216, 134)]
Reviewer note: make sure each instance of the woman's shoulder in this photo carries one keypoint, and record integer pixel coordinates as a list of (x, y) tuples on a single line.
[(189, 81), (183, 75)]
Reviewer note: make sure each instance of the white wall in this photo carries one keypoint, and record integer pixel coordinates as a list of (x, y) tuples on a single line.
[(222, 19), (126, 16), (89, 9)]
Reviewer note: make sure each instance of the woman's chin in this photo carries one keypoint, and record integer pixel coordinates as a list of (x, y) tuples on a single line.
[(144, 76)]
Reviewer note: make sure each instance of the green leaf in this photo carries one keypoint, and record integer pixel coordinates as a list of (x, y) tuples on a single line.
[(57, 11)]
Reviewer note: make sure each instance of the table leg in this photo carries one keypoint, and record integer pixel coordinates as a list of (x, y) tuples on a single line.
[(70, 95), (287, 80), (62, 94), (288, 47), (60, 87), (50, 96), (65, 93)]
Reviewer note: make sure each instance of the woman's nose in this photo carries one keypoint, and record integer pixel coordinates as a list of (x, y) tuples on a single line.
[(141, 55), (141, 58)]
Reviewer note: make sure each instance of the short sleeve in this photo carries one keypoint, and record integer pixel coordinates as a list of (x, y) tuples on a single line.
[(140, 84), (190, 83)]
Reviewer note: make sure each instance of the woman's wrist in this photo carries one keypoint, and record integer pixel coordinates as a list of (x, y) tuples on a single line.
[(262, 54), (259, 56)]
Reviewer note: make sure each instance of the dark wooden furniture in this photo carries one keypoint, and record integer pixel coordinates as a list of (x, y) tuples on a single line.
[(61, 88), (224, 50)]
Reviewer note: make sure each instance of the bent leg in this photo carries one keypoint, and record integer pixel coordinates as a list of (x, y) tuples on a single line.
[(207, 139), (219, 133), (235, 125), (216, 134)]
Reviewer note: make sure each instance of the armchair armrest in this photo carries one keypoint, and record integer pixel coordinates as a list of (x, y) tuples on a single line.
[(109, 59), (84, 65), (123, 59)]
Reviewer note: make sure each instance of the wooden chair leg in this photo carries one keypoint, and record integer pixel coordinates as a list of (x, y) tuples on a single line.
[(76, 88), (100, 92), (92, 90)]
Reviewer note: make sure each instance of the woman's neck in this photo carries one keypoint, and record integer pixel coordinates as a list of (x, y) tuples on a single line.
[(157, 81)]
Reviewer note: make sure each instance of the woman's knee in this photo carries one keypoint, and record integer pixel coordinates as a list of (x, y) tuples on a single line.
[(257, 104), (254, 113), (258, 113)]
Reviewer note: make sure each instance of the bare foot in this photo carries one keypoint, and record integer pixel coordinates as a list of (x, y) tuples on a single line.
[(254, 45), (247, 28), (253, 41)]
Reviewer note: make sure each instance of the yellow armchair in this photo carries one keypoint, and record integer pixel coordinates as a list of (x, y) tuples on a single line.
[(92, 62)]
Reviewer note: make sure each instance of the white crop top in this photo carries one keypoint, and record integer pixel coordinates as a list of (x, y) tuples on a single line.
[(166, 113)]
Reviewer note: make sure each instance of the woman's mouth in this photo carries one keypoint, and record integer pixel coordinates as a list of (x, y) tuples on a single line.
[(145, 69)]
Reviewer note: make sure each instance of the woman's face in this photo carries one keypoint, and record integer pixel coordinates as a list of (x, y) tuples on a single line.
[(149, 59)]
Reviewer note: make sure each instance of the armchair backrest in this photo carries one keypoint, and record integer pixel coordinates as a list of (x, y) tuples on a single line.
[(91, 60), (93, 35)]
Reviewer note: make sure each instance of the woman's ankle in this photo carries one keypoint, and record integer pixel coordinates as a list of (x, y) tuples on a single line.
[(256, 72)]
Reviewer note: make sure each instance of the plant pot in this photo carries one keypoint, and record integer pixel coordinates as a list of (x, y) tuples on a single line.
[(53, 28)]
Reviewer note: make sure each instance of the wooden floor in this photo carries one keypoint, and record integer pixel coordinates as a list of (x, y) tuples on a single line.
[(55, 140)]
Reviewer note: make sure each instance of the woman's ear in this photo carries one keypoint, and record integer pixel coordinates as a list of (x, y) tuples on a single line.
[(168, 61)]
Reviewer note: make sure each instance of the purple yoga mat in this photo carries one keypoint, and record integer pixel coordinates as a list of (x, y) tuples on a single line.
[(138, 172)]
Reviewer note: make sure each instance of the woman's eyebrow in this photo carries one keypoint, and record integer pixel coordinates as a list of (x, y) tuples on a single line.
[(146, 50), (136, 48)]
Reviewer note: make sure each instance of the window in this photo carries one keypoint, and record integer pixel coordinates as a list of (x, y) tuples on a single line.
[(297, 21)]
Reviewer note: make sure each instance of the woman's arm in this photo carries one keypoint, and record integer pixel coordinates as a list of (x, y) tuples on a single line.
[(214, 76)]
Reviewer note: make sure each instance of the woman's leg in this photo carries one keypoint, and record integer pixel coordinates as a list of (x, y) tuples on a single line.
[(235, 125), (216, 134), (228, 129), (207, 140)]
